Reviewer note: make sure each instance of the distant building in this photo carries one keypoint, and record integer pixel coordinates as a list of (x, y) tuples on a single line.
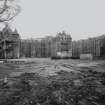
[(36, 47), (61, 43), (41, 47), (9, 43), (25, 48), (91, 46), (47, 46)]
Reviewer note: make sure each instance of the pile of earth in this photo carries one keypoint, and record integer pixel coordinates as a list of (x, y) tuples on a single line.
[(65, 88)]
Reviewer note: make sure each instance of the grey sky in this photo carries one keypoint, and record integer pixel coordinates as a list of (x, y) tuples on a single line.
[(81, 18)]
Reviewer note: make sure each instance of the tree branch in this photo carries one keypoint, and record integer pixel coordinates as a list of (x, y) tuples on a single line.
[(8, 12)]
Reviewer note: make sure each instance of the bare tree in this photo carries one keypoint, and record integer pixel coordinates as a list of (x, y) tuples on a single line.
[(8, 10)]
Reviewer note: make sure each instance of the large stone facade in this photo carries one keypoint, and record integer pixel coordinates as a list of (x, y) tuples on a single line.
[(9, 43), (61, 43), (94, 46), (40, 47), (47, 46)]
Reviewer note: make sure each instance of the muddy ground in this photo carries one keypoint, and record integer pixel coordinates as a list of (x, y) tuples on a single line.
[(53, 82)]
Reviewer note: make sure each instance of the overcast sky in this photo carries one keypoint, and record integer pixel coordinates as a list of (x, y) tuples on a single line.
[(80, 18)]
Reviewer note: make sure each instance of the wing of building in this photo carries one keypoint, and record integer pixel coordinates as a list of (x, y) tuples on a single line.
[(91, 47), (9, 43)]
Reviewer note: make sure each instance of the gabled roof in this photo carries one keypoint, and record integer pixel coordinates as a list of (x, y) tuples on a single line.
[(8, 34)]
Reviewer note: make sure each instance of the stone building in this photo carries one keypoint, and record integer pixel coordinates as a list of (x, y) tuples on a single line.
[(47, 46), (61, 44), (94, 46), (36, 47), (25, 48), (39, 47), (9, 43), (31, 48)]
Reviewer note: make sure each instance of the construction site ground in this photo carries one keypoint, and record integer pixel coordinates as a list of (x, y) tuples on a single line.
[(42, 81)]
